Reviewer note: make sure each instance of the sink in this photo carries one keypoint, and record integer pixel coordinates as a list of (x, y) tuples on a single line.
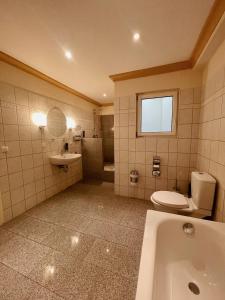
[(64, 159)]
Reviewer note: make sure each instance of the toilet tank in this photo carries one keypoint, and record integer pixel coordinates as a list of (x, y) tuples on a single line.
[(202, 190)]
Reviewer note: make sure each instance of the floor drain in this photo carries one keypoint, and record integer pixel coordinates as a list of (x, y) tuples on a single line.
[(194, 288)]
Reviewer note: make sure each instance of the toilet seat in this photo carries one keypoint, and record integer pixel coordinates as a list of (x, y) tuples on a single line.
[(170, 199)]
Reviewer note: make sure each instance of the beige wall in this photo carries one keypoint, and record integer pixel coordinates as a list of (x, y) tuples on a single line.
[(24, 80), (200, 142), (106, 110), (211, 148), (26, 176), (178, 154), (181, 79)]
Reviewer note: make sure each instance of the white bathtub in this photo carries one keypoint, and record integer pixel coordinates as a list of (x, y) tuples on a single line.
[(171, 260)]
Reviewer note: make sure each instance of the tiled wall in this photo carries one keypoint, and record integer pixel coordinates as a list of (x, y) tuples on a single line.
[(26, 176), (178, 154), (211, 148)]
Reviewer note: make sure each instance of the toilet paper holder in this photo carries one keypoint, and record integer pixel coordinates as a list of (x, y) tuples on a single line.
[(156, 166)]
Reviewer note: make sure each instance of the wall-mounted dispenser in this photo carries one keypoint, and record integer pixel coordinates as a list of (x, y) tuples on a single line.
[(134, 177), (77, 137), (156, 166)]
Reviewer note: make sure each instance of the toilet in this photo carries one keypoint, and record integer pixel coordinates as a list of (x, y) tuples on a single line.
[(200, 205)]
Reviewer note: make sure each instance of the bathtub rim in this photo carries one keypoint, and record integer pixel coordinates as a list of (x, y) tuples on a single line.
[(148, 253)]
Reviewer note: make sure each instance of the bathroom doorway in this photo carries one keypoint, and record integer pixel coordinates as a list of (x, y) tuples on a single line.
[(107, 127)]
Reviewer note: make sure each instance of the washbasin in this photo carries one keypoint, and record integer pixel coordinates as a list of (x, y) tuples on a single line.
[(64, 159)]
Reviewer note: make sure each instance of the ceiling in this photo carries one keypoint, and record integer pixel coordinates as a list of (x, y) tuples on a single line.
[(99, 35)]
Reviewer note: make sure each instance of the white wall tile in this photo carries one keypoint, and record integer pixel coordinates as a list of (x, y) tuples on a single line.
[(23, 116), (185, 116), (40, 185), (13, 148), (9, 115), (29, 189), (173, 151), (38, 159), (38, 172), (186, 96), (7, 214), (7, 92), (11, 132), (28, 176), (31, 202), (41, 197), (27, 162), (25, 132), (15, 180), (21, 96), (17, 195), (26, 147), (124, 102), (3, 167), (14, 164), (6, 200), (140, 144), (1, 132), (22, 173), (18, 209), (124, 132), (184, 145), (162, 145), (123, 119), (37, 146), (4, 183)]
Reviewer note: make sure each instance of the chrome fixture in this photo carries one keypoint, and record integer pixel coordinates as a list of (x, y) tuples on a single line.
[(134, 177), (194, 288), (65, 148), (188, 228), (156, 166)]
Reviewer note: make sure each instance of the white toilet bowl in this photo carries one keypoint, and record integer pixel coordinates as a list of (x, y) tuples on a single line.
[(201, 203), (173, 202)]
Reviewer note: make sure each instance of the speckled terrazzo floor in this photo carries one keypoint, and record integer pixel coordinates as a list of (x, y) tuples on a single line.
[(83, 243)]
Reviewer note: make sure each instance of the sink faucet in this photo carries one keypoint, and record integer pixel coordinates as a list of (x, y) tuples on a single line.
[(64, 149)]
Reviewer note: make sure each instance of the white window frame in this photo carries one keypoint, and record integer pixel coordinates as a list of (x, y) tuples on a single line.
[(157, 94)]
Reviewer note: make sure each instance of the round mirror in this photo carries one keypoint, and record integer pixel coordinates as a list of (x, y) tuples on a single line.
[(56, 122)]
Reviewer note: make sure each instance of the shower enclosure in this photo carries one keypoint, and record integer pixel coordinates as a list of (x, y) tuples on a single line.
[(98, 150), (107, 128)]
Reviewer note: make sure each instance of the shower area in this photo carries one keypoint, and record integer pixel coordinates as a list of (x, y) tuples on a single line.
[(98, 149), (107, 129)]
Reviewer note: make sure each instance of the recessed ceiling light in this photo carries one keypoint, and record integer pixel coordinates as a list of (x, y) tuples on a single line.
[(136, 36), (68, 54), (104, 95)]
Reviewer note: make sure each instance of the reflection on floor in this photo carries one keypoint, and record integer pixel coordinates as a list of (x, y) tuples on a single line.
[(83, 243), (109, 167), (109, 170)]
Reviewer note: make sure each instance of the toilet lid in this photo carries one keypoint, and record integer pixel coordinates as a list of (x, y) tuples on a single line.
[(170, 199)]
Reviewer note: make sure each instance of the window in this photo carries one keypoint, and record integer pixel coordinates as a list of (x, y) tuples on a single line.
[(157, 113)]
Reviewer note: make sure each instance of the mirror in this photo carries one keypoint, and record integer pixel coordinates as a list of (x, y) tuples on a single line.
[(56, 122)]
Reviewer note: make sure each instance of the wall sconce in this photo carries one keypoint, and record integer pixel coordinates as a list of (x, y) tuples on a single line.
[(70, 123), (39, 119)]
